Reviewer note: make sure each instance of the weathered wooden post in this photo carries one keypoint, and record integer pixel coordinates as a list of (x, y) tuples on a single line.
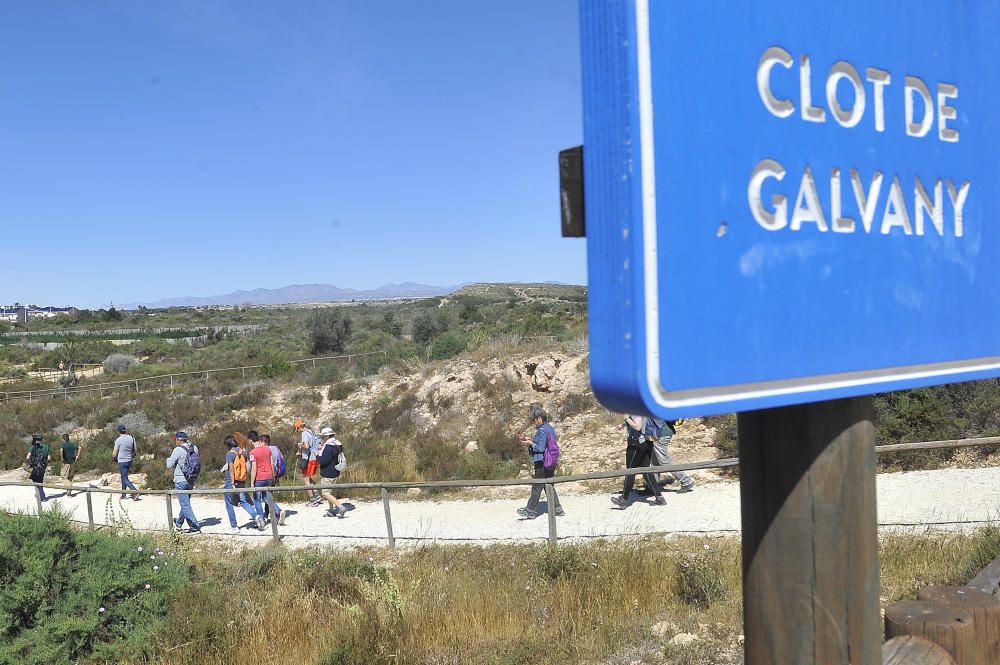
[(810, 542), (170, 512), (952, 630), (550, 499), (90, 508), (388, 517), (913, 650), (985, 611), (274, 517)]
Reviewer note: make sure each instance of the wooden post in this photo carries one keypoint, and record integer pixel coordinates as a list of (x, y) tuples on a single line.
[(274, 517), (550, 501), (810, 541), (38, 499), (170, 513), (90, 508), (913, 650), (985, 611), (952, 630), (388, 517)]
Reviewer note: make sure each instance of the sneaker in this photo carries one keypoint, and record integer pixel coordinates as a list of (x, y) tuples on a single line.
[(527, 514), (685, 488), (179, 524), (315, 501), (341, 512), (660, 501), (260, 523), (620, 501), (560, 512), (234, 530), (332, 512), (136, 497), (281, 517), (667, 480), (198, 530)]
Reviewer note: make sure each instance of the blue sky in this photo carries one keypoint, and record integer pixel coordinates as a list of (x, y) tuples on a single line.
[(193, 148)]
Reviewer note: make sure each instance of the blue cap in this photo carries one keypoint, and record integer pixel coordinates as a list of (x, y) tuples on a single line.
[(121, 428), (181, 436)]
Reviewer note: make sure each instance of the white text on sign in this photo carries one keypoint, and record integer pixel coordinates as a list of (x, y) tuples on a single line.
[(920, 111)]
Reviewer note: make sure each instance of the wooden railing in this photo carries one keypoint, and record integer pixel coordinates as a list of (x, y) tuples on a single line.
[(160, 381)]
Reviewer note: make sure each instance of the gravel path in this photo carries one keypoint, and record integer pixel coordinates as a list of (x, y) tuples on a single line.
[(941, 499)]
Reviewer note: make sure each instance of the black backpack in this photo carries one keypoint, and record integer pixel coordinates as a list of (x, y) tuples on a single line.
[(37, 460)]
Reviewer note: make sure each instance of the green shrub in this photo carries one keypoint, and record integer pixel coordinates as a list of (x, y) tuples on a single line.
[(341, 390), (447, 346), (276, 369), (324, 374), (71, 595), (119, 363), (577, 403), (330, 330), (425, 328), (699, 577)]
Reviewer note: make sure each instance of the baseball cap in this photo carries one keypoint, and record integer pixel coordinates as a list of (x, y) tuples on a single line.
[(299, 424), (121, 428), (326, 431), (37, 437), (181, 436)]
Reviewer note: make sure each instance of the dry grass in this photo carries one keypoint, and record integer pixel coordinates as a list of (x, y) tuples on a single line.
[(605, 602)]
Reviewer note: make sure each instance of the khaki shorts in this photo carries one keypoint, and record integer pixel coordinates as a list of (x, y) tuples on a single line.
[(325, 485), (68, 472)]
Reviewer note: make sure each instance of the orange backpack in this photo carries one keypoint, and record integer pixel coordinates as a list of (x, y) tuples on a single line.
[(239, 467)]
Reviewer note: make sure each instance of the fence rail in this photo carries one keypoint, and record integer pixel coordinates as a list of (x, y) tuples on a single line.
[(549, 484), (166, 381)]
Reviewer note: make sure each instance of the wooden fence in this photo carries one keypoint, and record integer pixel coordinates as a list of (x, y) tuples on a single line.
[(244, 328), (161, 381)]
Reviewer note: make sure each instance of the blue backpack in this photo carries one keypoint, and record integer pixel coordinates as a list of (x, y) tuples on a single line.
[(192, 464)]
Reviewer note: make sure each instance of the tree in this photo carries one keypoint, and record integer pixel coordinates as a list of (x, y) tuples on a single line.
[(330, 330), (389, 325), (425, 328)]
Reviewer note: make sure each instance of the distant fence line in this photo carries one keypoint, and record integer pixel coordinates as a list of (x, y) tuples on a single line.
[(548, 483), (160, 381), (246, 328)]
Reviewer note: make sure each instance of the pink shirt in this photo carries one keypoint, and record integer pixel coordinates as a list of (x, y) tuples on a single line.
[(262, 456)]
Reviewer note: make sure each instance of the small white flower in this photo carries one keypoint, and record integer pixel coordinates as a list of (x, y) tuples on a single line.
[(148, 587), (527, 587), (152, 557), (156, 567), (707, 547), (446, 569), (138, 549), (101, 610), (594, 564)]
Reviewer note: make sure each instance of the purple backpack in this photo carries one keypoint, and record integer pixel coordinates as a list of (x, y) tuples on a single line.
[(551, 455)]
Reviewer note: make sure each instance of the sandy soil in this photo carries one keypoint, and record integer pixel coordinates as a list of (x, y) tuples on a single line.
[(959, 499)]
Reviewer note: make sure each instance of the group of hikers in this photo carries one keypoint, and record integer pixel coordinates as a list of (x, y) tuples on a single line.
[(251, 462), (647, 445)]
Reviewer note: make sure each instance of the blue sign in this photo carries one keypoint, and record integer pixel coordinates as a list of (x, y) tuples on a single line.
[(789, 201)]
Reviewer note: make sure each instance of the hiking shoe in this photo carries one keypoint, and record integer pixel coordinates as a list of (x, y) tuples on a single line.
[(260, 523), (660, 501), (281, 517), (315, 501), (620, 501), (560, 512), (179, 524), (136, 497), (685, 488), (198, 530), (341, 512), (332, 512), (234, 530), (527, 514)]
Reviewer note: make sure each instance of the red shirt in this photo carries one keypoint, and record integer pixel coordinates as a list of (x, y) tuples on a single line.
[(262, 456)]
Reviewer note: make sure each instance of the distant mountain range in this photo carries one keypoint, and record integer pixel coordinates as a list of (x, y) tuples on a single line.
[(304, 293)]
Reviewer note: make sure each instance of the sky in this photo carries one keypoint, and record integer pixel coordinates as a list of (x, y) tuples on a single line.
[(162, 149)]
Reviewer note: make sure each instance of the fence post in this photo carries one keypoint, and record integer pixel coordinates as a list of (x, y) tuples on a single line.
[(550, 500), (171, 381), (388, 517), (170, 513), (90, 509), (137, 385), (314, 363), (38, 499), (274, 517), (243, 370)]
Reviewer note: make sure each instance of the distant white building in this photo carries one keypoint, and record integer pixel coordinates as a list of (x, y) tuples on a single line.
[(18, 313)]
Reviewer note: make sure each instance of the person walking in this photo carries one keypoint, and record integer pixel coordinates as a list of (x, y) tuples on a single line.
[(37, 460), (330, 467), (124, 453), (662, 456), (309, 445), (69, 452), (185, 461), (638, 453), (262, 474), (536, 448), (236, 476)]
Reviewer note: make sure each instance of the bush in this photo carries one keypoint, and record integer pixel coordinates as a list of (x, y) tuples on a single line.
[(329, 330), (119, 363), (342, 390), (699, 576), (276, 369), (447, 346), (577, 403), (324, 375), (71, 595), (425, 328)]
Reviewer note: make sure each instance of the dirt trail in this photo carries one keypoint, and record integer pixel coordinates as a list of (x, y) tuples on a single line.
[(959, 499)]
